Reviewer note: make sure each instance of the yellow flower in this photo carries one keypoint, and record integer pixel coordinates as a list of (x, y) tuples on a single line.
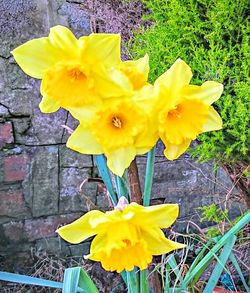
[(119, 129), (126, 237), (136, 71), (184, 111), (74, 72)]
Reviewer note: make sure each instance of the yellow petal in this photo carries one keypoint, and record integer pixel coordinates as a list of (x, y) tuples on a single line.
[(48, 105), (84, 113), (214, 121), (104, 48), (36, 56), (146, 139), (137, 71), (119, 159), (173, 151), (83, 141), (64, 41), (112, 83), (83, 227), (208, 92), (162, 216), (158, 244), (178, 76)]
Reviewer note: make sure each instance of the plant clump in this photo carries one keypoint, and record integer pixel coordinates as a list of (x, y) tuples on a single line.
[(213, 37)]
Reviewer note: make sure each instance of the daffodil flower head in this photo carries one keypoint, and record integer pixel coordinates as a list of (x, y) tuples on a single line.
[(74, 72), (117, 129), (126, 237), (136, 71), (184, 110)]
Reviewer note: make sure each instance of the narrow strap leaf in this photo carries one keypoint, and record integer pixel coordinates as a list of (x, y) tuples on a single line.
[(208, 257), (149, 177), (133, 282), (220, 266), (77, 280), (23, 279), (173, 264), (144, 288), (101, 164), (237, 267), (122, 187)]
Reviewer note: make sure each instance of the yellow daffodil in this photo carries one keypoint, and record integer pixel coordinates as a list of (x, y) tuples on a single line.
[(136, 71), (126, 237), (74, 72), (183, 110), (119, 129)]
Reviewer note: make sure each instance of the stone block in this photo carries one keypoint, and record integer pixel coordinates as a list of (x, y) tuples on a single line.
[(54, 245), (78, 19), (16, 167), (70, 158), (44, 183), (19, 102), (13, 233), (13, 204), (6, 134), (20, 21), (72, 197), (224, 185), (46, 227), (79, 250), (45, 128), (173, 179)]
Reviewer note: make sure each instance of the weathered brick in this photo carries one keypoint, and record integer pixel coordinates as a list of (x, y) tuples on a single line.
[(13, 204), (6, 134), (14, 231), (16, 168), (46, 227), (71, 197), (44, 182)]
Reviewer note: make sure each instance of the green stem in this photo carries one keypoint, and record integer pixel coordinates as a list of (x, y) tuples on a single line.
[(149, 177), (133, 282), (121, 187), (144, 288)]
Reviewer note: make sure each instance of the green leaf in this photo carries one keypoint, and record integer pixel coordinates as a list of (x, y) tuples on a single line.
[(201, 266), (222, 259), (77, 280), (22, 279), (122, 186), (133, 282), (149, 177), (104, 173), (174, 266), (144, 288), (237, 267)]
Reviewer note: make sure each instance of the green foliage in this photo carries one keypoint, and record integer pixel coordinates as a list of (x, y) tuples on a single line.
[(212, 37), (212, 213)]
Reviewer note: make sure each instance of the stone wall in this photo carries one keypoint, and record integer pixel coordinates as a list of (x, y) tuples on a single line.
[(39, 177)]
